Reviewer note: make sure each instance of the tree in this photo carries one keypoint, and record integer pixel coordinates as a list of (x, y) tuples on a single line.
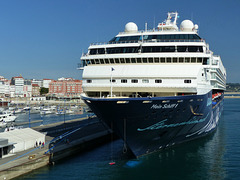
[(43, 90)]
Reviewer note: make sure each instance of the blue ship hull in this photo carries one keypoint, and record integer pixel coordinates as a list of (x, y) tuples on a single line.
[(150, 124)]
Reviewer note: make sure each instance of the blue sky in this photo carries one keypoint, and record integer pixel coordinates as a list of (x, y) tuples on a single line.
[(45, 38)]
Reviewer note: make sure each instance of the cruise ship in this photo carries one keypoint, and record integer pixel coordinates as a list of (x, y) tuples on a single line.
[(156, 87)]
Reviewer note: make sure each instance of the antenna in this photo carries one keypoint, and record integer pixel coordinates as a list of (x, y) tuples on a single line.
[(145, 26), (154, 23)]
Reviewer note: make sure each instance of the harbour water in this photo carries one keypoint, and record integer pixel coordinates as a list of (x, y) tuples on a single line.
[(216, 156)]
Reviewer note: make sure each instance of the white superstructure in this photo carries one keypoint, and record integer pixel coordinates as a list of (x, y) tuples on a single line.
[(166, 61)]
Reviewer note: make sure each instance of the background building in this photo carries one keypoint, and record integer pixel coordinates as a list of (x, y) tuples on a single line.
[(37, 81), (46, 82), (35, 90), (65, 87), (19, 84), (27, 89)]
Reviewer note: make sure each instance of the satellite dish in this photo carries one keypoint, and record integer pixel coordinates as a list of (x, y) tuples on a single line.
[(131, 27), (187, 25)]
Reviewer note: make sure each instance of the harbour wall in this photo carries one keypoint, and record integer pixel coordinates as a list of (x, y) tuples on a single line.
[(66, 140)]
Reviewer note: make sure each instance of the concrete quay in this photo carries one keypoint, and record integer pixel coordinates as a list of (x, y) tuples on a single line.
[(62, 140), (23, 162)]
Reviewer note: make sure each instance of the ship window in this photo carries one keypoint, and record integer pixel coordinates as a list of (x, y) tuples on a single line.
[(193, 60), (145, 81), (111, 61), (199, 60), (162, 60), (92, 61), (190, 36), (93, 51), (151, 49), (168, 60), (175, 60), (106, 61), (122, 60), (185, 36), (133, 60), (122, 50), (101, 51), (169, 49), (205, 61), (156, 60), (97, 61), (187, 60), (97, 51), (113, 80), (189, 48), (145, 37), (101, 61), (187, 81), (144, 60), (181, 60), (127, 60), (89, 81), (134, 80), (181, 48), (192, 48), (159, 37), (113, 39), (150, 60), (196, 36), (117, 60), (123, 80), (158, 81), (177, 36), (139, 60), (127, 38)]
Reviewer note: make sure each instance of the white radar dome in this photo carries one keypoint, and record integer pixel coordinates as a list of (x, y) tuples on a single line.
[(187, 25), (196, 26), (131, 27)]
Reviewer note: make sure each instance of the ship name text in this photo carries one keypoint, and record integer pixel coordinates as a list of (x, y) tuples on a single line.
[(165, 106)]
